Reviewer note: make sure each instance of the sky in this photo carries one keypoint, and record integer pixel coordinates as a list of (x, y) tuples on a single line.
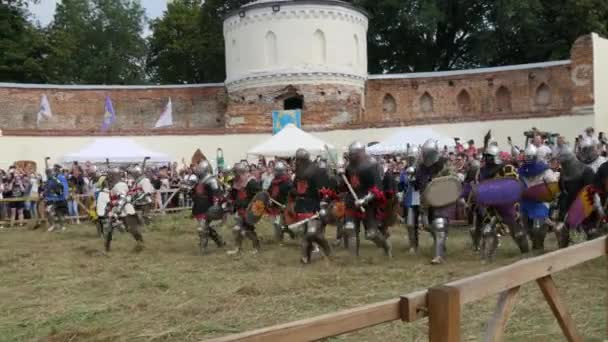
[(44, 10)]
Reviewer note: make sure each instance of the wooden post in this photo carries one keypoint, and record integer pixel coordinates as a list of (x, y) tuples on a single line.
[(444, 314), (547, 286), (496, 325)]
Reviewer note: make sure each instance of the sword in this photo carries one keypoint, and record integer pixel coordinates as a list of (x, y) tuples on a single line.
[(282, 206), (299, 223), (352, 191)]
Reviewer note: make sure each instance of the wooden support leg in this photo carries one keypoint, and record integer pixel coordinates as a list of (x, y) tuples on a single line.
[(547, 286), (444, 314), (496, 325)]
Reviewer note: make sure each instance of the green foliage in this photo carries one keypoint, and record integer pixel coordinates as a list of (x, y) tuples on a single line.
[(97, 41), (187, 44), (100, 41), (427, 35), (22, 45)]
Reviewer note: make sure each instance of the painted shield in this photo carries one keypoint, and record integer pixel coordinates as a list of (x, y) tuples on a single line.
[(335, 212), (544, 192), (581, 208), (442, 191), (499, 191), (257, 207)]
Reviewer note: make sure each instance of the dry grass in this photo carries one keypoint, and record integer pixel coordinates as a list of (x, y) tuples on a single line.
[(61, 287)]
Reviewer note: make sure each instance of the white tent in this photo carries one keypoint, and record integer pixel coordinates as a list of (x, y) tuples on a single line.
[(397, 142), (287, 141), (117, 150)]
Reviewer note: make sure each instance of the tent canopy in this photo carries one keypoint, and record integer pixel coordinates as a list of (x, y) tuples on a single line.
[(397, 142), (117, 150), (288, 141)]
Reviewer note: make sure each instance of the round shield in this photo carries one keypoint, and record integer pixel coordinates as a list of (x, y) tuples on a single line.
[(544, 192), (499, 191), (335, 212), (442, 191), (257, 207)]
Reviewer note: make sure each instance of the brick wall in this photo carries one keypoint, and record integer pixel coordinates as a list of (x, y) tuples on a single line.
[(546, 90), (325, 106), (79, 111)]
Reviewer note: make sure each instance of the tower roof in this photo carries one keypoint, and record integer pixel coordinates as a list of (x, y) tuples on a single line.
[(270, 3)]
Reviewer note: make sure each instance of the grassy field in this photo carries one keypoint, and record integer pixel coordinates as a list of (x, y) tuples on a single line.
[(62, 287)]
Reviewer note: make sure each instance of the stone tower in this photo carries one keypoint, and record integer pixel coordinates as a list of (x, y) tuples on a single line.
[(295, 54)]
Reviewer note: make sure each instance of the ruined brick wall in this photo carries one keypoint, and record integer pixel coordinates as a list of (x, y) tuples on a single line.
[(537, 90), (325, 106), (79, 110), (540, 90)]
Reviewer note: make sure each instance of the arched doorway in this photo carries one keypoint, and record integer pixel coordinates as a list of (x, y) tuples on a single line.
[(293, 102)]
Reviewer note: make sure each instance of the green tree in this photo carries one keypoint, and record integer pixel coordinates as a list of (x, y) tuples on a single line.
[(427, 35), (187, 43), (22, 45), (97, 42)]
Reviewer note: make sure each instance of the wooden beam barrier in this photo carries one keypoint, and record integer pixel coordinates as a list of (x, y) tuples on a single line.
[(501, 279), (323, 326), (444, 314)]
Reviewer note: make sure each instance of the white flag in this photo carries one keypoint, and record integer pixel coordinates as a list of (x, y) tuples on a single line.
[(45, 110), (166, 117)]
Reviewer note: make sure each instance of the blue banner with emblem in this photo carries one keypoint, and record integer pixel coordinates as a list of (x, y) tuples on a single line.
[(282, 118)]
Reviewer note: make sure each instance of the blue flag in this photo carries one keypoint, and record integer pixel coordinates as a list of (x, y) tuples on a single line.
[(282, 118), (109, 115)]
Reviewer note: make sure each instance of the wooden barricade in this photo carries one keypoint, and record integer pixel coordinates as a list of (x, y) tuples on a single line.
[(443, 304)]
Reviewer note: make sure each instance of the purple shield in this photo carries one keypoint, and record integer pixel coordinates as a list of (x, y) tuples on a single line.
[(500, 191)]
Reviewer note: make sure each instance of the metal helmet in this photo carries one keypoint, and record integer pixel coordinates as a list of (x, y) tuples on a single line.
[(566, 154), (588, 151), (136, 171), (531, 153), (280, 168), (114, 175), (491, 155), (356, 147), (302, 154), (49, 172), (413, 151), (430, 152), (203, 169), (410, 170), (241, 168)]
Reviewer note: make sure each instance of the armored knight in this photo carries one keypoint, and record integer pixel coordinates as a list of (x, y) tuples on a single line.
[(411, 197), (589, 154), (279, 190), (598, 222), (206, 207), (494, 168), (56, 193), (535, 214), (365, 205), (573, 177), (141, 194), (122, 209), (244, 188), (433, 165), (309, 180), (471, 177)]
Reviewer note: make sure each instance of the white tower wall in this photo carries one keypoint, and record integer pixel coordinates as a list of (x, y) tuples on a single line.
[(271, 43)]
